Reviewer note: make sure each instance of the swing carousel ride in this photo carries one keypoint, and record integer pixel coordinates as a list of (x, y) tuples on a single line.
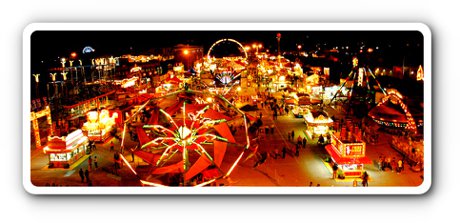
[(361, 84), (391, 108)]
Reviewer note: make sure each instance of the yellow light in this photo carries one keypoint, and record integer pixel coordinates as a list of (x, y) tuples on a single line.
[(355, 62), (186, 52), (36, 77), (53, 76), (209, 99), (92, 116), (238, 88)]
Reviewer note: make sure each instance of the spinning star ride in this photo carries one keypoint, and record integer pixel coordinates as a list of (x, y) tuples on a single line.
[(192, 137)]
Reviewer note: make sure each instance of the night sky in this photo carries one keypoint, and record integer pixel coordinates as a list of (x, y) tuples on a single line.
[(47, 45)]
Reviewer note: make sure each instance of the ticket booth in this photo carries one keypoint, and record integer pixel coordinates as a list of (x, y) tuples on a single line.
[(66, 150), (350, 157)]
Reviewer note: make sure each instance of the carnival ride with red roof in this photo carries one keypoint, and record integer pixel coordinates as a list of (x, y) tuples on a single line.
[(193, 139)]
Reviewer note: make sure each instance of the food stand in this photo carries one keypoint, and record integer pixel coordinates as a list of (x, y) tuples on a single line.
[(348, 155), (64, 151), (318, 123), (99, 125)]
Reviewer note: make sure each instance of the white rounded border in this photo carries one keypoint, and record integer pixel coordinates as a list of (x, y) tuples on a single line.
[(422, 28)]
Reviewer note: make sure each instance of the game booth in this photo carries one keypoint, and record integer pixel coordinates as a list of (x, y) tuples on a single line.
[(99, 125), (349, 154), (318, 123), (66, 150)]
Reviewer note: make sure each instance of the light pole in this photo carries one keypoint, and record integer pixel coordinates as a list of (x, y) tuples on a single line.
[(186, 53), (53, 79), (278, 37), (256, 46), (36, 84), (82, 70)]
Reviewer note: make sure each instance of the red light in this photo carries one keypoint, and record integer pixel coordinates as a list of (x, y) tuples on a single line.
[(73, 55)]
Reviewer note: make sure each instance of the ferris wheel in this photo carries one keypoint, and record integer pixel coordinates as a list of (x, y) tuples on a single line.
[(240, 46)]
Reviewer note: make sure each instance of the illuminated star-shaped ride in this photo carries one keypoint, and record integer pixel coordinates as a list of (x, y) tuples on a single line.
[(194, 141), (184, 137)]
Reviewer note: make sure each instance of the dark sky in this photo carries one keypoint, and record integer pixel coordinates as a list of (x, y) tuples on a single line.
[(49, 44)]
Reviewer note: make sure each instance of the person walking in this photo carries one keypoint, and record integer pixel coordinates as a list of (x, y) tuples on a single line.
[(82, 176), (112, 146), (304, 142), (380, 163), (93, 145), (292, 135), (393, 164), (335, 168), (365, 178), (321, 140), (90, 163), (87, 176), (399, 168), (283, 152), (95, 162)]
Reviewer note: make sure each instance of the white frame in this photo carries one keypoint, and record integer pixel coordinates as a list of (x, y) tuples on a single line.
[(423, 188)]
